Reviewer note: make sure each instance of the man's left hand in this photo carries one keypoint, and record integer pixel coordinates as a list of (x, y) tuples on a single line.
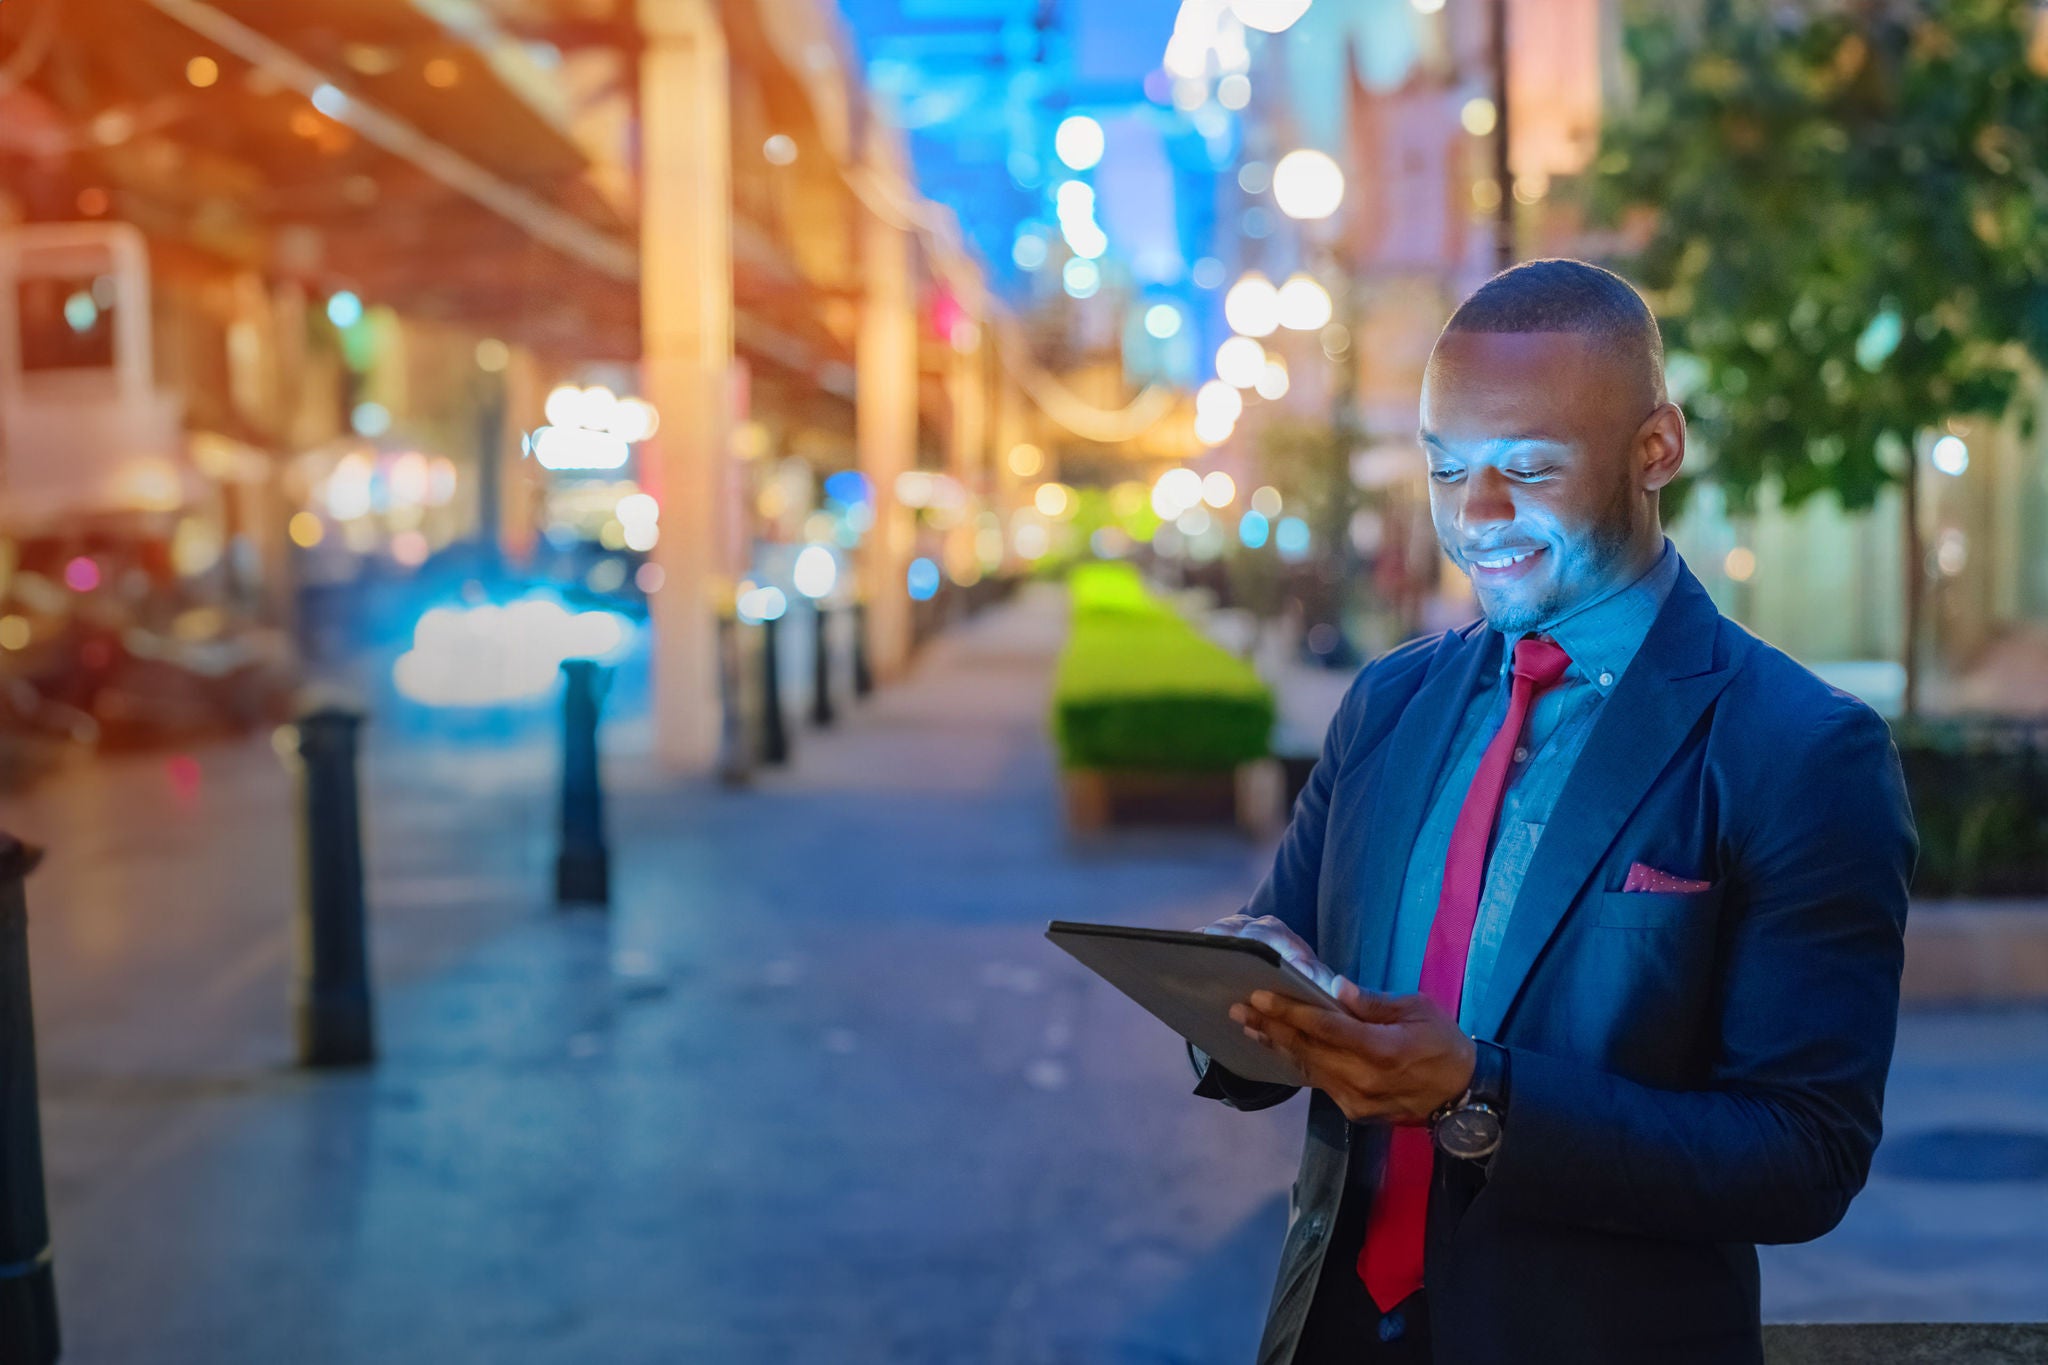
[(1394, 1058)]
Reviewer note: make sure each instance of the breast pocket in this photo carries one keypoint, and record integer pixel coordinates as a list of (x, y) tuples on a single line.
[(1657, 909)]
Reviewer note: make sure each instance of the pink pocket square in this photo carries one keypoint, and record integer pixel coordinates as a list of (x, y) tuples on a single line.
[(1643, 877)]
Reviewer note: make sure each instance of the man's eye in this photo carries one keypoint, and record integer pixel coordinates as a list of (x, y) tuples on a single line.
[(1448, 475), (1531, 475)]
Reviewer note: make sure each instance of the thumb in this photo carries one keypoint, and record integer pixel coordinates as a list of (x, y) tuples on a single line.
[(1374, 1007)]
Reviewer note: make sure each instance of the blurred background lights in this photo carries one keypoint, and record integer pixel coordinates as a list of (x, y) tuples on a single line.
[(1026, 460), (758, 604), (1951, 455), (1162, 321), (1214, 428), (489, 655), (1176, 491), (1740, 563), (1078, 142), (1193, 522), (1427, 6), (815, 572), (1266, 501), (15, 632), (344, 309), (1304, 304), (1031, 540), (1218, 489), (1052, 499), (1240, 361), (1219, 398), (492, 355), (306, 530), (922, 580), (1478, 116), (1252, 529), (779, 149), (82, 574), (370, 419), (1291, 538), (1273, 379), (1081, 277), (1029, 251), (1252, 306), (562, 448), (202, 72), (1234, 91), (1269, 16), (1308, 185)]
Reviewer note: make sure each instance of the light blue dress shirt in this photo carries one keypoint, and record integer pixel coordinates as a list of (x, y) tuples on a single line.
[(1602, 637)]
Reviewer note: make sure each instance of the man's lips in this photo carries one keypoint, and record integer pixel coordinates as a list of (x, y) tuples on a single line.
[(1497, 566)]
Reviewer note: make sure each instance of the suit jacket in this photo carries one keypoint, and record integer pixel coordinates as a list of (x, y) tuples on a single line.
[(1691, 1073)]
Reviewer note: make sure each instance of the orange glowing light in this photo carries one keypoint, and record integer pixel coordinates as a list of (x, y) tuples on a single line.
[(93, 201), (442, 73)]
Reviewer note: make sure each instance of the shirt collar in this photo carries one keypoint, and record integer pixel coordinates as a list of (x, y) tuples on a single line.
[(1603, 635)]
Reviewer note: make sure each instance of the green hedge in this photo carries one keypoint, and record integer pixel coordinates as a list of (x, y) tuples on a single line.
[(1979, 790), (1138, 687)]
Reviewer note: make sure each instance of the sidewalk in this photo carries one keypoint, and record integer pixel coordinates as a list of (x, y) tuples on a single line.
[(817, 1090)]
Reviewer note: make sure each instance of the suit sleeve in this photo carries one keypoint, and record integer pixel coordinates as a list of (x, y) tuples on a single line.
[(1780, 1141), (1289, 890)]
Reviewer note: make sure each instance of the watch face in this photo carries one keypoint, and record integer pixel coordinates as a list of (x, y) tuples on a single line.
[(1471, 1132)]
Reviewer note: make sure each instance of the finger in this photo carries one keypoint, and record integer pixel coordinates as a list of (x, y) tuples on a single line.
[(1375, 1007)]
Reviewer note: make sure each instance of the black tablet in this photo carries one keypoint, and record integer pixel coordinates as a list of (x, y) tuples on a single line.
[(1188, 980)]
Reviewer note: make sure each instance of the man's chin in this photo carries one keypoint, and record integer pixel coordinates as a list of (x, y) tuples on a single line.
[(1511, 615)]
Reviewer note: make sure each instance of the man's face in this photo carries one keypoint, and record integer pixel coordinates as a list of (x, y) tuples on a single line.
[(1544, 456)]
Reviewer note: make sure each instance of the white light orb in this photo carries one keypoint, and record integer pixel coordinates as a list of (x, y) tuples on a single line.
[(633, 420), (1269, 16), (1308, 185), (1078, 141), (1029, 251), (1240, 361), (1951, 455), (1304, 304), (1478, 116), (564, 405), (1219, 490), (1162, 321), (1178, 490), (815, 572), (1052, 499), (1273, 379), (1213, 429), (1219, 398), (1266, 501), (1252, 306), (1081, 277), (1234, 91)]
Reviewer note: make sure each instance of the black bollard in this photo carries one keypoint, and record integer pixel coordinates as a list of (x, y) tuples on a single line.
[(735, 763), (863, 679), (583, 867), (28, 1286), (821, 667), (331, 982), (774, 739)]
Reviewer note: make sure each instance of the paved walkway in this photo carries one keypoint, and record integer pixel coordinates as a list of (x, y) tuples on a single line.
[(817, 1090)]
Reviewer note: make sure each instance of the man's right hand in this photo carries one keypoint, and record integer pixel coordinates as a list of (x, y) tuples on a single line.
[(1272, 931)]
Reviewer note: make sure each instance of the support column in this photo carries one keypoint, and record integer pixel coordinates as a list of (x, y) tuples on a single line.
[(885, 400), (686, 319)]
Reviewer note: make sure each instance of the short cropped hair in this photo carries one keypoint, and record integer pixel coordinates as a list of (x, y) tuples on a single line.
[(1569, 296)]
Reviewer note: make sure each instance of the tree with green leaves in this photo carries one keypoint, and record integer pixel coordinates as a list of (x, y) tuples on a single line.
[(1842, 216)]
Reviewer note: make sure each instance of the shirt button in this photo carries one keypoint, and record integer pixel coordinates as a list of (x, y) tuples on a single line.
[(1392, 1326), (1607, 680), (1522, 755)]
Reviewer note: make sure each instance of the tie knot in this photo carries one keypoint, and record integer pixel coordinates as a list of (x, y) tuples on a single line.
[(1541, 660)]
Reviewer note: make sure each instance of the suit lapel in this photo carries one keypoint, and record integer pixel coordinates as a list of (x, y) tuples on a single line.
[(1414, 754), (1655, 706)]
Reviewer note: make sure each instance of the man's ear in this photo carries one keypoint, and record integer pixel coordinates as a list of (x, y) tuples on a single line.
[(1660, 446)]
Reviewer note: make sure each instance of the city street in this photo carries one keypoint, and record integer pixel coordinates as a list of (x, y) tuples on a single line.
[(818, 1055)]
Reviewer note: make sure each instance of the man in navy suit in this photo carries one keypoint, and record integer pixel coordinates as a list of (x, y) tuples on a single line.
[(1625, 889)]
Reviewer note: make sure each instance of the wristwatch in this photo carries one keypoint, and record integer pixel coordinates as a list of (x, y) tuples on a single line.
[(1470, 1125)]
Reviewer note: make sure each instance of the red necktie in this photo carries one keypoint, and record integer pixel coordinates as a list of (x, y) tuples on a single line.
[(1390, 1262)]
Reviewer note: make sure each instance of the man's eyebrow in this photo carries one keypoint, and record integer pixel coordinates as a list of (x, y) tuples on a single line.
[(1494, 444)]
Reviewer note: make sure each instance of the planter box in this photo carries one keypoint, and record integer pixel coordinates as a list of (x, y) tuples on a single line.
[(1102, 799)]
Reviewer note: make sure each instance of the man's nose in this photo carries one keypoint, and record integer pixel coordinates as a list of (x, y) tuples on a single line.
[(1489, 498)]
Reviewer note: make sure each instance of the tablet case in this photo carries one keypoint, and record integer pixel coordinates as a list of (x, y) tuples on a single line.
[(1188, 981)]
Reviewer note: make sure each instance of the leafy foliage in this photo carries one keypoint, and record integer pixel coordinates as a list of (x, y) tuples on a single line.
[(1844, 210)]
